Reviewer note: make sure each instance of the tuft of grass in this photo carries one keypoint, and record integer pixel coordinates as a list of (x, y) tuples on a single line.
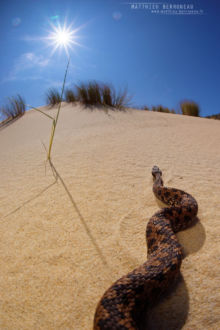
[(216, 116), (94, 93), (145, 107), (70, 97), (53, 97), (190, 108), (160, 108), (15, 108), (108, 96), (89, 93), (82, 94), (122, 99)]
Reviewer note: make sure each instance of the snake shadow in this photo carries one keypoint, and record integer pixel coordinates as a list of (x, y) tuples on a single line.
[(171, 311)]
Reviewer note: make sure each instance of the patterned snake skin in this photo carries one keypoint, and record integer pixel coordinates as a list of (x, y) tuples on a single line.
[(121, 305)]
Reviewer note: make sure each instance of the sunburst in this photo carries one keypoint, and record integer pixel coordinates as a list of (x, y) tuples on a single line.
[(63, 37)]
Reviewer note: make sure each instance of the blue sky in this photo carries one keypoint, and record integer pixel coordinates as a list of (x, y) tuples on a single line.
[(160, 58)]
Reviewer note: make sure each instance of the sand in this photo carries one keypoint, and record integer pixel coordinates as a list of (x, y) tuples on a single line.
[(64, 242)]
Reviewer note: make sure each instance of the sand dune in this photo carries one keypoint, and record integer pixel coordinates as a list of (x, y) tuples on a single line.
[(64, 242)]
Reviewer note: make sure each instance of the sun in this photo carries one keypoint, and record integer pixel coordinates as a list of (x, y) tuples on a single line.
[(63, 37)]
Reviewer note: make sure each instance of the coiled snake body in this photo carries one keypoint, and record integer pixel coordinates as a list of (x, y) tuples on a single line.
[(121, 304)]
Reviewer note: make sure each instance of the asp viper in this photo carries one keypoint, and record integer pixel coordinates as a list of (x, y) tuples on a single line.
[(121, 305)]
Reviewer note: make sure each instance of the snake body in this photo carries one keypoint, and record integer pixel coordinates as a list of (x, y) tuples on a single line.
[(121, 305)]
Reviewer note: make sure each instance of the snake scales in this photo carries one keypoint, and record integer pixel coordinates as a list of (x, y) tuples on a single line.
[(121, 304)]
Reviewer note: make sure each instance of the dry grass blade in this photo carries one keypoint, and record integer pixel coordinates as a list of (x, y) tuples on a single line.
[(44, 113)]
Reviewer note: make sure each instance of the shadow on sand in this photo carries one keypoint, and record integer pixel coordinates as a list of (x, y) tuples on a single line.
[(57, 176), (30, 200), (90, 235)]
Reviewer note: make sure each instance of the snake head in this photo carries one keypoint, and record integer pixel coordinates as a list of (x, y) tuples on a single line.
[(155, 171)]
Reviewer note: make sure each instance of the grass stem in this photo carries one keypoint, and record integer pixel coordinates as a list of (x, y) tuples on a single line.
[(57, 116)]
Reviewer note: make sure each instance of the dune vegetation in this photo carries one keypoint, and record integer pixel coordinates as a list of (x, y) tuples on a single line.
[(217, 116), (91, 93), (94, 94), (189, 108), (53, 97), (14, 108), (70, 97)]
